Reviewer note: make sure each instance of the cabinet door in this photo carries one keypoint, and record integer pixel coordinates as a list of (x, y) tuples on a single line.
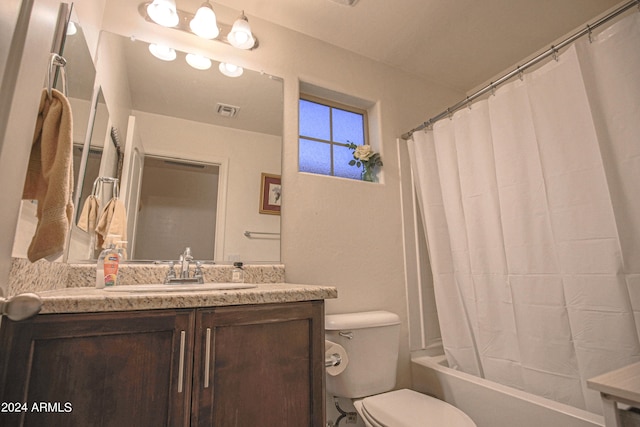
[(260, 365), (101, 369)]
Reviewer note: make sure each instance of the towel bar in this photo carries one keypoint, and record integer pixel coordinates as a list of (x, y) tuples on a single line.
[(263, 233)]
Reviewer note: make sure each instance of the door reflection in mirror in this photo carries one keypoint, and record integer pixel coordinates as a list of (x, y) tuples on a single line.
[(177, 209)]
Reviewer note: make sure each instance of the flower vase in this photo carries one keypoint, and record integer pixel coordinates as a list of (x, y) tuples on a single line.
[(367, 173)]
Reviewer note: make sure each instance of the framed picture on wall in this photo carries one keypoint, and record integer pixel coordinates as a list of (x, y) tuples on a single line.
[(270, 194)]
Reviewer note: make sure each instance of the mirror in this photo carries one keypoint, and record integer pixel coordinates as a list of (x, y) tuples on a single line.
[(94, 158), (189, 120)]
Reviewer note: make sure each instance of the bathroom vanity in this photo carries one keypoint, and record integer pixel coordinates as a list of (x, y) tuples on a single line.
[(251, 357)]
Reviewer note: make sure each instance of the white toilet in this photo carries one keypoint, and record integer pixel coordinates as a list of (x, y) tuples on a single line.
[(371, 341)]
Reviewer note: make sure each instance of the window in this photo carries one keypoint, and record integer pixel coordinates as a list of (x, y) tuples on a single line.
[(325, 130)]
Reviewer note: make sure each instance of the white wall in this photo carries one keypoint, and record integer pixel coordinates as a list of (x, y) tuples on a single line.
[(110, 69), (334, 231)]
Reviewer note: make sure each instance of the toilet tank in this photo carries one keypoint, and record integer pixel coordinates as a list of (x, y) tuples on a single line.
[(371, 340)]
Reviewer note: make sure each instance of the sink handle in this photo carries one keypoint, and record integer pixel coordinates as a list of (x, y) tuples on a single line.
[(171, 274), (198, 273)]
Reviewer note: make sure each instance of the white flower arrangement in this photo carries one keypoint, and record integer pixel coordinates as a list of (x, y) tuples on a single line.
[(364, 156)]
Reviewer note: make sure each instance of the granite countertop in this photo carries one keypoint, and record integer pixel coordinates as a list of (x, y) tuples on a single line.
[(90, 299)]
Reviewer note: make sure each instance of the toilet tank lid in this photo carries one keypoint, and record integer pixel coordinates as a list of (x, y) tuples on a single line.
[(366, 319)]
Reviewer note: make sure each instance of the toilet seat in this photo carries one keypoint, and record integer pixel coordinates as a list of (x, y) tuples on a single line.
[(408, 408)]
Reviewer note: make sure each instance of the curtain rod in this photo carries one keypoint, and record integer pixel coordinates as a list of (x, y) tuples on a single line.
[(552, 51)]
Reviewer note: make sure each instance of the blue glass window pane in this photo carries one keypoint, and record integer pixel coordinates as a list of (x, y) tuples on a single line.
[(314, 157), (348, 126), (341, 158), (314, 120)]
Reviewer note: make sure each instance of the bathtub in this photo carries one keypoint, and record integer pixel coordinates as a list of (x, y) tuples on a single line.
[(490, 404)]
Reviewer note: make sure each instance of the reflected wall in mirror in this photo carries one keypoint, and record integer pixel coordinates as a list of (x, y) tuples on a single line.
[(190, 116)]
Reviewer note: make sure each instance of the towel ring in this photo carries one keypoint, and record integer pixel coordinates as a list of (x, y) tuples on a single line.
[(109, 180), (56, 62)]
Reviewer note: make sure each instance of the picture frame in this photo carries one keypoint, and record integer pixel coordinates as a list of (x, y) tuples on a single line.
[(270, 194)]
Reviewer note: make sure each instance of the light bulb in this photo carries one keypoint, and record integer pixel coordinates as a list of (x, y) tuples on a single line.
[(198, 62), (240, 35), (71, 28), (204, 23), (230, 70), (162, 52), (163, 12)]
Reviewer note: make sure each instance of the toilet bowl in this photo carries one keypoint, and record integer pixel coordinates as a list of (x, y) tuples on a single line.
[(371, 342)]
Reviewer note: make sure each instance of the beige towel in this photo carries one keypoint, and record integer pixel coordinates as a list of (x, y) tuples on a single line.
[(50, 176), (89, 215), (112, 221)]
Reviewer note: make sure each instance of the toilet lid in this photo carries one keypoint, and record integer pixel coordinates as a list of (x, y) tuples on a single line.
[(408, 408)]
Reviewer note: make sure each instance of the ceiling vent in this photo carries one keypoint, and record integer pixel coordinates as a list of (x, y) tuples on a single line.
[(346, 2), (226, 110)]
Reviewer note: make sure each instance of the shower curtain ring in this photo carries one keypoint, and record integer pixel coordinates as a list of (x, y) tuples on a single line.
[(555, 53)]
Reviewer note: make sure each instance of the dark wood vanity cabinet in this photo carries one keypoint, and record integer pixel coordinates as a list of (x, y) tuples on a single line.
[(99, 369), (259, 365)]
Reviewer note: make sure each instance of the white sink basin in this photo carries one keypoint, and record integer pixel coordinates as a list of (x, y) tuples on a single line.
[(188, 287)]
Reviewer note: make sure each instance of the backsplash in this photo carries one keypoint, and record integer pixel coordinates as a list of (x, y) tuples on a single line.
[(44, 276)]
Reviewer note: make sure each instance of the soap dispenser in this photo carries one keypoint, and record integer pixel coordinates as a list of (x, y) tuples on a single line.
[(237, 274), (108, 263)]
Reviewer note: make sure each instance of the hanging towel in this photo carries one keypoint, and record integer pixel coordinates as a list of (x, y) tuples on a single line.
[(89, 215), (113, 220), (50, 176)]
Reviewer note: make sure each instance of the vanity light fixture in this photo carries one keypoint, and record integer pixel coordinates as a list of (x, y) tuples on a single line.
[(198, 62), (204, 23), (163, 12), (230, 70), (240, 35), (162, 52)]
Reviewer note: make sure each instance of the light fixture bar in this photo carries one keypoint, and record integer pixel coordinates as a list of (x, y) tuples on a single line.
[(185, 19)]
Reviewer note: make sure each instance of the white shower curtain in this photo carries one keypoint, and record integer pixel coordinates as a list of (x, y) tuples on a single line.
[(531, 202)]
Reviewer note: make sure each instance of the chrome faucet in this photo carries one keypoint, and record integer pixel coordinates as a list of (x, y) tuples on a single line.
[(183, 277), (185, 260)]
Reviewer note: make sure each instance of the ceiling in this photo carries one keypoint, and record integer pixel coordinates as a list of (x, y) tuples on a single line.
[(460, 44)]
